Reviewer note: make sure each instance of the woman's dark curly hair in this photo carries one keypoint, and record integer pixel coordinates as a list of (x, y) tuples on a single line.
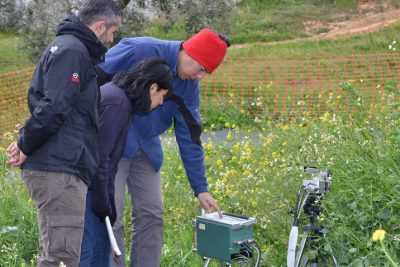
[(136, 81)]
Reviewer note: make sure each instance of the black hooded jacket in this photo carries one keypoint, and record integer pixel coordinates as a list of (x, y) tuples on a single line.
[(61, 134)]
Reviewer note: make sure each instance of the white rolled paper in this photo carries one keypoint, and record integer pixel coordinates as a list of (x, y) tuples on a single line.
[(111, 237)]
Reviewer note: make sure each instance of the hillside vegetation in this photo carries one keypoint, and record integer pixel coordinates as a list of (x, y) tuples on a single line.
[(259, 174)]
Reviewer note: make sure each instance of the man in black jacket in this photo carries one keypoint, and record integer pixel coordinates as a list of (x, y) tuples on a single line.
[(57, 146)]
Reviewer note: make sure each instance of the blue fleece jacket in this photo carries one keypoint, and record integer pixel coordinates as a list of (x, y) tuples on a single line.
[(182, 109)]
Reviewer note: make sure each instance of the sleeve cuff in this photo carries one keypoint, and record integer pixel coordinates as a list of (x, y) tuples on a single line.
[(22, 147), (200, 189)]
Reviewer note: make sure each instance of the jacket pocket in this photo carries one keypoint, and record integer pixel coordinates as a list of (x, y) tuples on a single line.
[(68, 148), (89, 159)]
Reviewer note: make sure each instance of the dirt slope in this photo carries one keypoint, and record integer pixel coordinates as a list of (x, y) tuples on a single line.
[(369, 19), (361, 24)]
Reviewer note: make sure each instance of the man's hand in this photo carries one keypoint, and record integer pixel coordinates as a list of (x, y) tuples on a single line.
[(15, 156), (208, 203)]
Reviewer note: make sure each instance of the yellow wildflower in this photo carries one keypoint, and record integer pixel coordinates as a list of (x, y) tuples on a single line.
[(229, 136), (236, 148), (378, 235), (220, 164), (247, 173), (268, 140), (208, 146), (284, 127), (325, 117)]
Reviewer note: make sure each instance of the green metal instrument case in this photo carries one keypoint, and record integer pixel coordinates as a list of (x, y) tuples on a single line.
[(220, 238)]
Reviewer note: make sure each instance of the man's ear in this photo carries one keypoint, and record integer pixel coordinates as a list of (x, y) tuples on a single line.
[(99, 27), (153, 87)]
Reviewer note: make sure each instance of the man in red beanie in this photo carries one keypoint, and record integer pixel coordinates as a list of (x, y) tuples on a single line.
[(139, 169), (204, 51)]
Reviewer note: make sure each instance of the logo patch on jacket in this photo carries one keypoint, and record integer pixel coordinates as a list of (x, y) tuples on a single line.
[(53, 49), (75, 78)]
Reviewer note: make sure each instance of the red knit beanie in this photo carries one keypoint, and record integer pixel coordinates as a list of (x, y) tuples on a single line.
[(207, 48)]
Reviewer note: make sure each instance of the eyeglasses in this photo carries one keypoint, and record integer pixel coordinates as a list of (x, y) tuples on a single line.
[(202, 70)]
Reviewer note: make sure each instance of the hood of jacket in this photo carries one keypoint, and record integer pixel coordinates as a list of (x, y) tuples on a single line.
[(73, 26)]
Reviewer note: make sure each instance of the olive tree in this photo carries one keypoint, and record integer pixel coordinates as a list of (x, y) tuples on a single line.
[(9, 14), (207, 13), (39, 23), (41, 17), (196, 13)]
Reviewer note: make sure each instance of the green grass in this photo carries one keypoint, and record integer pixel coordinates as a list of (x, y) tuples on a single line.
[(11, 56), (256, 21), (18, 245), (365, 43), (266, 21), (283, 20), (261, 180), (243, 73)]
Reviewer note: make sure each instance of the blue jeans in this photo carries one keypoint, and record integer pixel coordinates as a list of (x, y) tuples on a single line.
[(95, 249)]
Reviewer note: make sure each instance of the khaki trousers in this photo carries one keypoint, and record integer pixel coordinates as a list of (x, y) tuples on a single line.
[(60, 199)]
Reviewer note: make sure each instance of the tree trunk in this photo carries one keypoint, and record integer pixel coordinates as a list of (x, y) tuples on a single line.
[(124, 3)]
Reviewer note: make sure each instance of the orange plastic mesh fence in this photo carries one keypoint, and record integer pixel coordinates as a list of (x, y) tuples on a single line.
[(260, 85), (13, 94), (286, 87)]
